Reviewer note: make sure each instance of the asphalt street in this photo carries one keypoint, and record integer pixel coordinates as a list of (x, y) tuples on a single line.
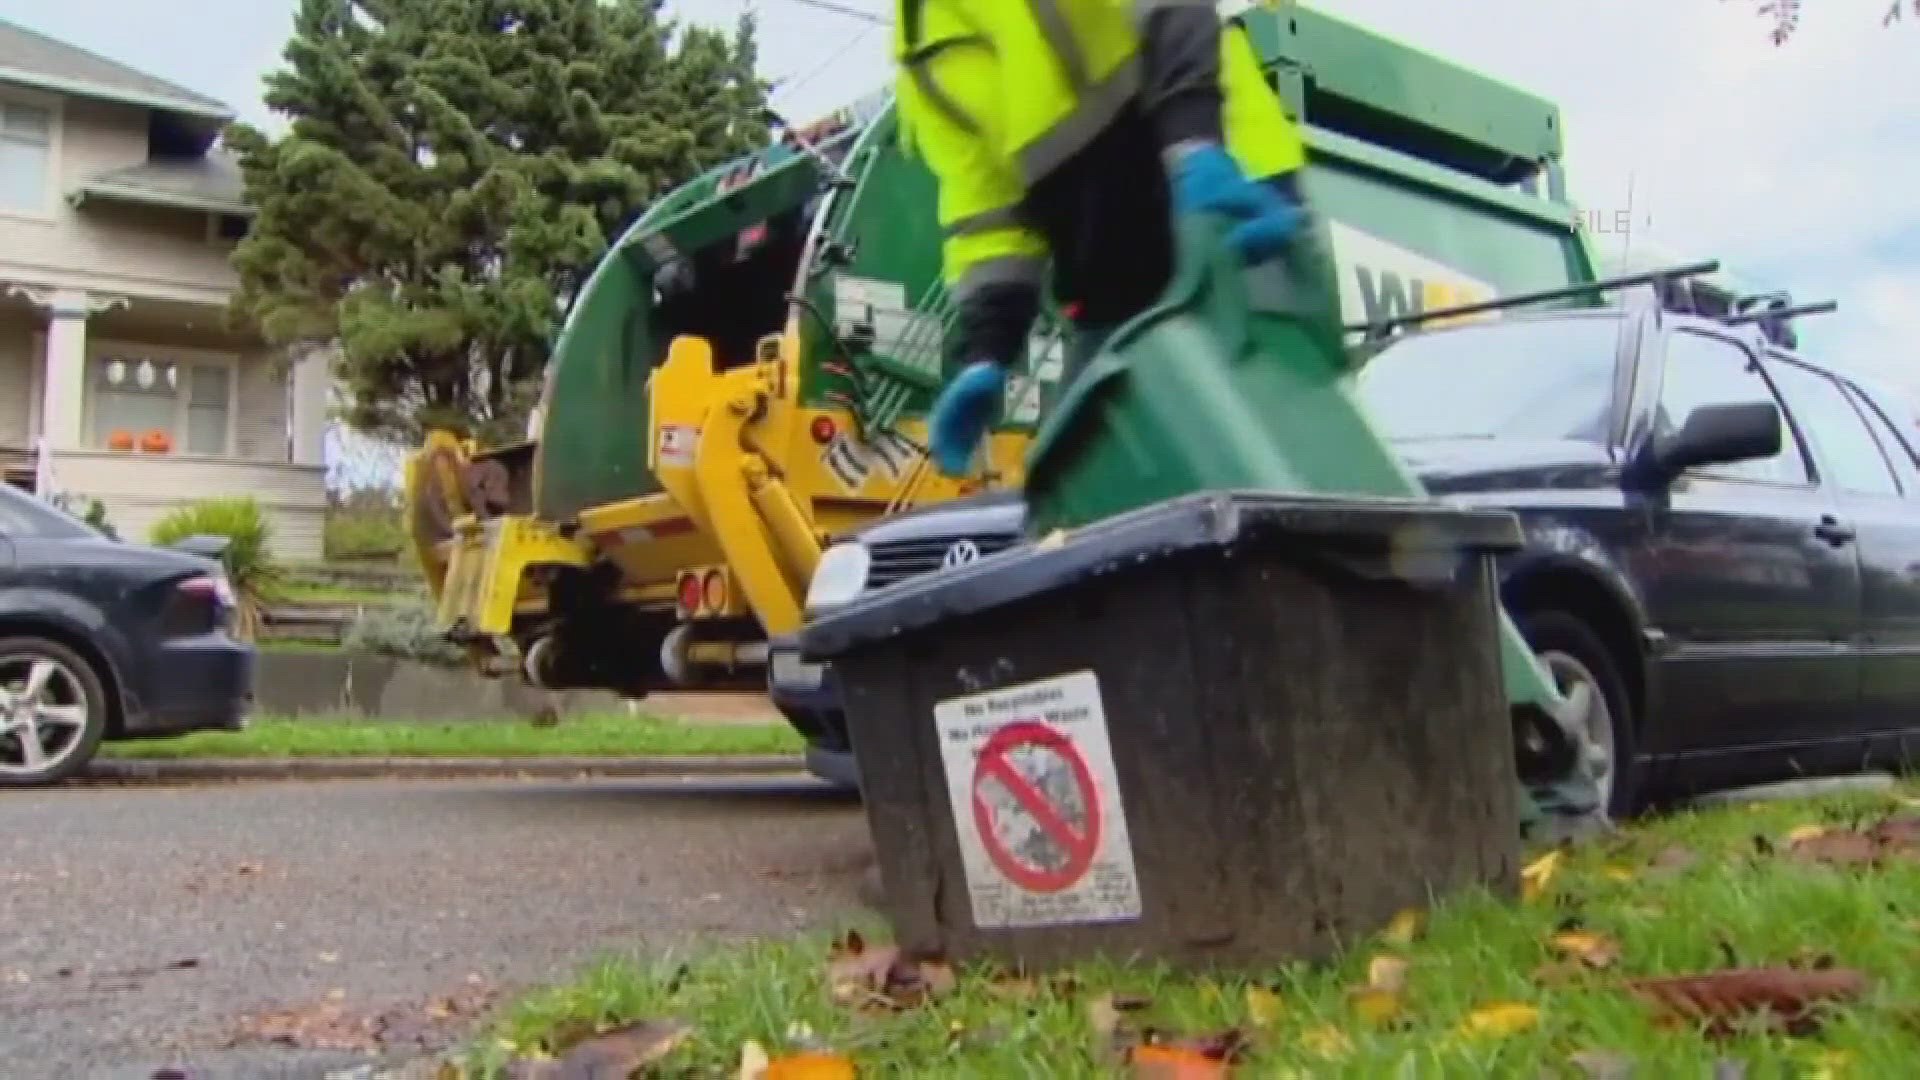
[(141, 926)]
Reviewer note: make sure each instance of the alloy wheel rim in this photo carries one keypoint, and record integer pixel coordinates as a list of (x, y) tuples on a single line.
[(1596, 728), (43, 714)]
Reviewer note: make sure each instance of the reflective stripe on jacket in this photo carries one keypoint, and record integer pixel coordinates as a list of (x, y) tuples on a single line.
[(994, 94)]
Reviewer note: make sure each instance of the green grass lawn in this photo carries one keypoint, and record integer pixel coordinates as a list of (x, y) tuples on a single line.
[(614, 735), (317, 594), (1480, 987)]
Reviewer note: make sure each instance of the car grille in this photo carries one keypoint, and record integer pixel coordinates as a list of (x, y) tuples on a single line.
[(898, 560)]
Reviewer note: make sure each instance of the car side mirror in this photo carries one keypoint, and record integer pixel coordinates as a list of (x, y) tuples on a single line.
[(1717, 435)]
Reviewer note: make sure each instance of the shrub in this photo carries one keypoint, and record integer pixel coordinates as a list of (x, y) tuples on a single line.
[(249, 556), (365, 524), (402, 632), (364, 534)]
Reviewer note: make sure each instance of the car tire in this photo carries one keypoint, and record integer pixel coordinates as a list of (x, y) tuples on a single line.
[(1571, 650), (75, 679)]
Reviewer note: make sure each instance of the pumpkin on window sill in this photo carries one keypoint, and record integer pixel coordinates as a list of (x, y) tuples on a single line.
[(156, 442), (120, 440)]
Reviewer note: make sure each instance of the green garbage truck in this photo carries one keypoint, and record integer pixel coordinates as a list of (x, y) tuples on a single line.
[(745, 376)]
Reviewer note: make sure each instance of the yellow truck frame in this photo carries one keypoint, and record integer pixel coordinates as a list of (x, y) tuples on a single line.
[(726, 550)]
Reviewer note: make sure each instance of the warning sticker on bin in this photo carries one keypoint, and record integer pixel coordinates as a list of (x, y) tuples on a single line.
[(1036, 804)]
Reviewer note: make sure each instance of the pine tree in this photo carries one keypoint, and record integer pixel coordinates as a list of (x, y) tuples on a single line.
[(452, 171)]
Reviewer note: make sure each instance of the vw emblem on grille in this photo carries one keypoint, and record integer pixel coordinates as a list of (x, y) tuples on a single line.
[(960, 554)]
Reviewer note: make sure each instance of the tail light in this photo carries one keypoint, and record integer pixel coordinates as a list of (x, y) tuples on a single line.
[(714, 591), (690, 593), (199, 604)]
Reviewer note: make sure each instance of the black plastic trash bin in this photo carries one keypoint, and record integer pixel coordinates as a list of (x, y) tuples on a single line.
[(1219, 731)]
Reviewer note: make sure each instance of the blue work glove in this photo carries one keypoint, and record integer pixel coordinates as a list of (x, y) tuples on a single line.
[(965, 410), (1206, 179)]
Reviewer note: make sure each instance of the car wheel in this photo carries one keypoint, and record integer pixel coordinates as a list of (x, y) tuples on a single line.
[(1574, 655), (53, 712)]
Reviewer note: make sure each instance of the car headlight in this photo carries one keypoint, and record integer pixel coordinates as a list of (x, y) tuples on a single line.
[(840, 577)]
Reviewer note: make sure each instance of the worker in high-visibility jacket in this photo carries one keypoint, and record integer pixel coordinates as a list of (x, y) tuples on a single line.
[(1064, 132)]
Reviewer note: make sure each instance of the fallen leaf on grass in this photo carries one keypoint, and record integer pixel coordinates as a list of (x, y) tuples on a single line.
[(1175, 1063), (1890, 837), (812, 1065), (1783, 996), (1378, 1002), (1327, 1041), (1593, 949), (1900, 831), (1387, 974), (753, 1061), (1837, 849), (879, 977), (1538, 874), (1404, 928), (1500, 1020), (1263, 1006), (1377, 1008), (611, 1055)]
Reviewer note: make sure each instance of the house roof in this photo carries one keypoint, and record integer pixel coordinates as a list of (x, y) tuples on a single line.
[(30, 58), (211, 183)]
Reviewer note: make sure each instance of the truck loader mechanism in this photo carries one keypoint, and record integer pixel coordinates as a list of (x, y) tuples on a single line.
[(745, 375)]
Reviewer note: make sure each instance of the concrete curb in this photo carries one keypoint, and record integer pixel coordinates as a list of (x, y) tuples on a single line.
[(125, 769)]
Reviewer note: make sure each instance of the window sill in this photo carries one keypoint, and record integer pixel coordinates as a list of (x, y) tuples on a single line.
[(156, 455), (187, 459), (28, 217)]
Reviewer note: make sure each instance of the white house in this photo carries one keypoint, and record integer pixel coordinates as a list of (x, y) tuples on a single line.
[(122, 375)]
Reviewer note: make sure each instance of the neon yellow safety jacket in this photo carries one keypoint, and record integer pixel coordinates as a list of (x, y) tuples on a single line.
[(994, 94)]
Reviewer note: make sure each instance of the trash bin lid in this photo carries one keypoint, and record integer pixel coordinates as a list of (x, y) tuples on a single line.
[(1407, 539)]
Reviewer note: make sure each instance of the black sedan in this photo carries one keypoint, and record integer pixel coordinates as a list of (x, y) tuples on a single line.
[(106, 640), (1722, 540)]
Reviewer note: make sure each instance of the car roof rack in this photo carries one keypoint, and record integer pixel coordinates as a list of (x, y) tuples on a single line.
[(1374, 331)]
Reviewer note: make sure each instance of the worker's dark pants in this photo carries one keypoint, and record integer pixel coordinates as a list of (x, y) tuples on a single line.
[(1107, 215)]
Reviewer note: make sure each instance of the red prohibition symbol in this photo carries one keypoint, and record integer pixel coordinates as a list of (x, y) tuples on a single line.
[(1079, 843)]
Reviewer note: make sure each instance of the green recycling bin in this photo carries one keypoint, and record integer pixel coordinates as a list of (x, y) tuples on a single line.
[(1221, 731), (1238, 379)]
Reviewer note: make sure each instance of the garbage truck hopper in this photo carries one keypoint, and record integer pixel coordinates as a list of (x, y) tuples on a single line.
[(744, 376)]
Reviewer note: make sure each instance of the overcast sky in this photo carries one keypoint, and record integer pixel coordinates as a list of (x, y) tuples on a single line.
[(1797, 165)]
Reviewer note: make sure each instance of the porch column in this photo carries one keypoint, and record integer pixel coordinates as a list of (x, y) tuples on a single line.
[(309, 378), (63, 382)]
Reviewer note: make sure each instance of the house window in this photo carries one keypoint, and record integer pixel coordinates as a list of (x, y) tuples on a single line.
[(26, 147), (161, 406)]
